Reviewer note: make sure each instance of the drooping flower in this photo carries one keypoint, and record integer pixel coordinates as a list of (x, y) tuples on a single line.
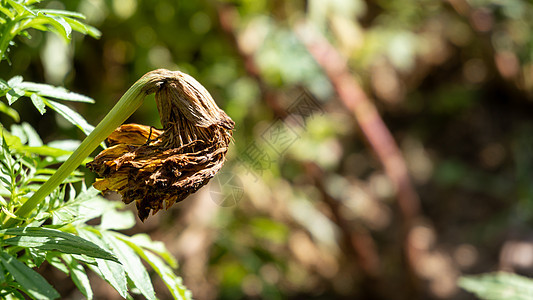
[(156, 168)]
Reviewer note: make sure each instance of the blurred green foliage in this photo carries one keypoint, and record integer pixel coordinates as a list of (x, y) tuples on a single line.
[(451, 79)]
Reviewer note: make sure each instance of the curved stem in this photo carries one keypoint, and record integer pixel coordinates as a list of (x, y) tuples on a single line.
[(124, 108)]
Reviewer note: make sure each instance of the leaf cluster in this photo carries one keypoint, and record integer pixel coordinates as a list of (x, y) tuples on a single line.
[(18, 17), (57, 232)]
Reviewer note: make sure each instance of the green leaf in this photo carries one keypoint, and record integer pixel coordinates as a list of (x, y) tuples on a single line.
[(7, 12), (67, 145), (79, 277), (54, 92), (499, 285), (45, 151), (143, 240), (56, 262), (62, 27), (38, 256), (38, 102), (87, 205), (71, 116), (2, 274), (14, 81), (83, 28), (30, 281), (117, 220), (132, 264), (62, 13), (53, 239), (17, 6), (14, 94), (110, 271), (173, 282), (9, 111), (34, 140)]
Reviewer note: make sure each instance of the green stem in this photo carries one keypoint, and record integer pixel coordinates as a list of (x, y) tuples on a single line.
[(124, 108)]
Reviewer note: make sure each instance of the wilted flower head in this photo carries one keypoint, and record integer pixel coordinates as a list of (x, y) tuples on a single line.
[(156, 168)]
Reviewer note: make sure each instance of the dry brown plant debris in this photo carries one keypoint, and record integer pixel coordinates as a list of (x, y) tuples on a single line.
[(157, 168)]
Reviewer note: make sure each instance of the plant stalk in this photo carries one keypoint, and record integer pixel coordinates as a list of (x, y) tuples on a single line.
[(125, 107)]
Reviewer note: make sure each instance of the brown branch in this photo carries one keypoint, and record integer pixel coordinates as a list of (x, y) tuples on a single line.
[(357, 242), (354, 99), (374, 129)]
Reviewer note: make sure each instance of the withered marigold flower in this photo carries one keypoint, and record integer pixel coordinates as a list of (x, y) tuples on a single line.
[(156, 168)]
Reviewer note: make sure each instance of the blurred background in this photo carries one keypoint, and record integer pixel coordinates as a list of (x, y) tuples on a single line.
[(382, 148)]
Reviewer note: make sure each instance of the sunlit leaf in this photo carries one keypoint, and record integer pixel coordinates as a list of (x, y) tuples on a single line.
[(62, 13), (14, 81), (54, 92), (17, 6), (14, 94), (79, 276), (117, 220), (56, 262), (83, 28), (30, 281), (38, 102), (45, 151), (62, 27), (53, 239), (501, 285), (112, 272), (132, 264), (71, 116), (172, 281), (33, 138)]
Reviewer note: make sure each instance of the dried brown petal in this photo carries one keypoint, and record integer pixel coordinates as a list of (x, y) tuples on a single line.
[(156, 168)]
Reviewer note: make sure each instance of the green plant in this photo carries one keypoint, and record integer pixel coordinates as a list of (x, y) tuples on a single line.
[(44, 212), (498, 286)]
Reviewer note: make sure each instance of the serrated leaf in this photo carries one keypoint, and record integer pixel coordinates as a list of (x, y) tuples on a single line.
[(54, 92), (79, 277), (38, 102), (111, 272), (173, 282), (132, 264), (53, 239), (499, 285), (30, 281), (70, 115)]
